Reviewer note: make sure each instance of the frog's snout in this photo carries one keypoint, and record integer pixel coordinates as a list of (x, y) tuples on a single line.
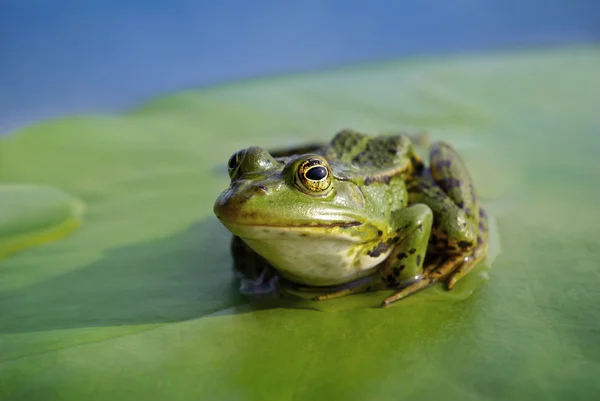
[(230, 205)]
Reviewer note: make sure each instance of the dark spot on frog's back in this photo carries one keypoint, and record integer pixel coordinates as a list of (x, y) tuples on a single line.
[(379, 249), (359, 158), (384, 179), (464, 244), (482, 226), (445, 163), (421, 185), (451, 182)]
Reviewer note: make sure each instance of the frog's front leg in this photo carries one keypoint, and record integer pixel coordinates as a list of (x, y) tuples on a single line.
[(405, 263), (404, 266)]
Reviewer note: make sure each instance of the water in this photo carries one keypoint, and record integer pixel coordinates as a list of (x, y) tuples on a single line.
[(64, 57)]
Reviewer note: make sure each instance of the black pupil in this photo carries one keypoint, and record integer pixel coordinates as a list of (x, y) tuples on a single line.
[(232, 161), (316, 173)]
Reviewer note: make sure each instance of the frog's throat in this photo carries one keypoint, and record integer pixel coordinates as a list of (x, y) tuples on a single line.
[(320, 255)]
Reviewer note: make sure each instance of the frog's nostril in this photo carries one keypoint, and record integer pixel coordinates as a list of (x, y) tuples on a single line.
[(262, 188)]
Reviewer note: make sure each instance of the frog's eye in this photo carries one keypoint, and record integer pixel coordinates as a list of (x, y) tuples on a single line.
[(314, 175), (234, 163)]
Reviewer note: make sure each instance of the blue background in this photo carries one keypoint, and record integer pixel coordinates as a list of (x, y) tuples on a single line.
[(71, 56)]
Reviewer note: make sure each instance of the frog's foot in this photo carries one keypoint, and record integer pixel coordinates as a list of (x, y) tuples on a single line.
[(257, 277), (261, 285), (470, 261), (364, 284), (337, 294), (460, 272), (473, 257), (432, 274)]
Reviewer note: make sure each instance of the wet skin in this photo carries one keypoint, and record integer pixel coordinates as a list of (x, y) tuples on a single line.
[(361, 213)]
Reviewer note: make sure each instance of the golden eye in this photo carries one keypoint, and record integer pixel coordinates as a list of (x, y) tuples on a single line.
[(314, 175)]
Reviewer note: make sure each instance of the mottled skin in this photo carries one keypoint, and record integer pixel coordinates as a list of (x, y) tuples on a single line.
[(362, 213)]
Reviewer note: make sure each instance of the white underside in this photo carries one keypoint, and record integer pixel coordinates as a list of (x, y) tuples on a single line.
[(304, 255)]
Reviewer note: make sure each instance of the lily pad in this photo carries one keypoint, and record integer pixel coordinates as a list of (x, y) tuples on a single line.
[(31, 215), (141, 299)]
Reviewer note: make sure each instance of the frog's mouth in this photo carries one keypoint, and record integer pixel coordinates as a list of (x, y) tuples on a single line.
[(249, 214), (270, 226), (257, 231)]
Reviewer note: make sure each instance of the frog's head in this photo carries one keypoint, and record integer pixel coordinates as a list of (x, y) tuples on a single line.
[(295, 207), (293, 192)]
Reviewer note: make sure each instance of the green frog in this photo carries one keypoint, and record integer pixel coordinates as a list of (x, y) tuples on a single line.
[(361, 213)]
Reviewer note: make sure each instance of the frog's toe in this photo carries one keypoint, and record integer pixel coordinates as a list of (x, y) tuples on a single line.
[(258, 286), (418, 285), (435, 272), (468, 264), (336, 294), (364, 284)]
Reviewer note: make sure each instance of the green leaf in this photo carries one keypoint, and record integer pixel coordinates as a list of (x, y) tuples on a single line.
[(140, 301), (31, 215)]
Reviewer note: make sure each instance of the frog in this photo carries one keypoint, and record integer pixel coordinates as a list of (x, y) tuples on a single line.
[(361, 213)]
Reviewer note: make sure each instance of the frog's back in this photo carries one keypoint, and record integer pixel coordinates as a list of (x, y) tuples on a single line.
[(370, 159)]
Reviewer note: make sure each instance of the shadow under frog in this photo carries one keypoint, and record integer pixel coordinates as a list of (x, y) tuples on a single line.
[(180, 277)]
